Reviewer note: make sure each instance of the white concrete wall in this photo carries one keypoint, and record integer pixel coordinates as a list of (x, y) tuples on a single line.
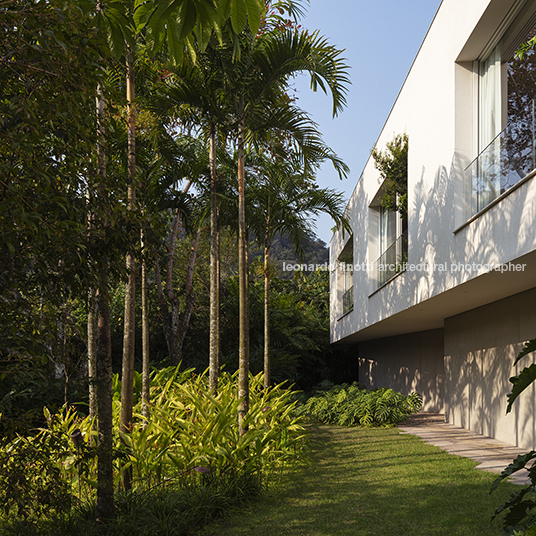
[(480, 348), (407, 363), (435, 109)]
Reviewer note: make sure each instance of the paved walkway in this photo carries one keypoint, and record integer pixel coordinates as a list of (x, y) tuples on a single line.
[(492, 455)]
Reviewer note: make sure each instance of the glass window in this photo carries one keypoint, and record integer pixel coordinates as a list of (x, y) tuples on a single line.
[(490, 98), (393, 243), (346, 276), (507, 121), (387, 228), (519, 139)]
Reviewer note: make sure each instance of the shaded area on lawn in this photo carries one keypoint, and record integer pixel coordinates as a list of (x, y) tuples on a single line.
[(374, 481)]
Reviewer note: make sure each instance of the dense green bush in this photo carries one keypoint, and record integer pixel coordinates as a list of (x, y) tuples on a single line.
[(31, 482), (350, 405), (189, 462), (190, 427)]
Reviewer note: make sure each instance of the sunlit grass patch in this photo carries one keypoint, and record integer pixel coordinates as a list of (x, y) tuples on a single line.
[(372, 482)]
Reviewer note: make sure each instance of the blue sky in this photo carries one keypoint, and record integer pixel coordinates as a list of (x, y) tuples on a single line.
[(381, 40)]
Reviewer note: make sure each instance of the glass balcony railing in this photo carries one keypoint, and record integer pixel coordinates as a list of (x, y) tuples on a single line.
[(392, 261), (348, 301), (509, 158)]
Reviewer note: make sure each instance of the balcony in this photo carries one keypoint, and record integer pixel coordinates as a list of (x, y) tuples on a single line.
[(392, 261), (507, 160)]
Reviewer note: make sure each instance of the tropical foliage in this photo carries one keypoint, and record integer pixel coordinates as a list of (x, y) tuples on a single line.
[(520, 509), (46, 139), (351, 405), (95, 170), (191, 439)]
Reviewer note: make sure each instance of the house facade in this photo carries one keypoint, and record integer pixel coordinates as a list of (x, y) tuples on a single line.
[(442, 300)]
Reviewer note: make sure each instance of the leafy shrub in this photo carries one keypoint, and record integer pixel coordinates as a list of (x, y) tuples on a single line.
[(520, 509), (37, 472), (31, 483), (189, 449), (162, 511), (190, 427), (349, 405)]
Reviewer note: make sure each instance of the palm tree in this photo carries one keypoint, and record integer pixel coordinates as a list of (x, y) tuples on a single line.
[(285, 199), (158, 26), (127, 376), (246, 81), (193, 90), (256, 85), (162, 162)]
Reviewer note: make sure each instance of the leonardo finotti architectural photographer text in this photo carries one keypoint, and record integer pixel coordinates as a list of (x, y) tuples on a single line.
[(405, 267)]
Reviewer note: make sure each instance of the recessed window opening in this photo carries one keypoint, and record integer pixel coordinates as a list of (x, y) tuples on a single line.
[(393, 245), (345, 273), (388, 235)]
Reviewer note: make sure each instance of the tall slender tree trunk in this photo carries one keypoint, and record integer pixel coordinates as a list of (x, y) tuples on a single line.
[(247, 308), (127, 378), (218, 292), (146, 379), (92, 339), (243, 336), (173, 321), (184, 318), (92, 330), (214, 271), (267, 364), (105, 506)]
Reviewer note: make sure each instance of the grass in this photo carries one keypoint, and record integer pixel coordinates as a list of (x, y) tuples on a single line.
[(372, 482)]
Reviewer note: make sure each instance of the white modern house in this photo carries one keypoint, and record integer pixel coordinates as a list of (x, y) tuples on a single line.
[(442, 303)]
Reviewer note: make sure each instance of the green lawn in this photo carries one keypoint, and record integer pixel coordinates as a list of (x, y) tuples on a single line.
[(372, 482)]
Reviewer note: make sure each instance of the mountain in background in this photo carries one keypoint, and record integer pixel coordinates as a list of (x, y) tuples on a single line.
[(316, 252)]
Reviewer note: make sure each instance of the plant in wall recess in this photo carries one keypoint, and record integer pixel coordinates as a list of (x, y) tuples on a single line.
[(393, 167)]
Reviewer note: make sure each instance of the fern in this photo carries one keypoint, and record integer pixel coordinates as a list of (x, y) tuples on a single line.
[(350, 405)]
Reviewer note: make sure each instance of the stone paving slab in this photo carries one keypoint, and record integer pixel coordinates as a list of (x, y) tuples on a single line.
[(492, 455)]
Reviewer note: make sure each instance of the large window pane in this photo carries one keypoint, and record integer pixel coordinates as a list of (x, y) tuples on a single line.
[(519, 140), (507, 124)]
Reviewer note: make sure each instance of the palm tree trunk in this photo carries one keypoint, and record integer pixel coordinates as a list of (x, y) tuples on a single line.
[(146, 380), (218, 292), (214, 283), (267, 367), (127, 379), (92, 339), (184, 321), (248, 300), (105, 506), (243, 336)]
